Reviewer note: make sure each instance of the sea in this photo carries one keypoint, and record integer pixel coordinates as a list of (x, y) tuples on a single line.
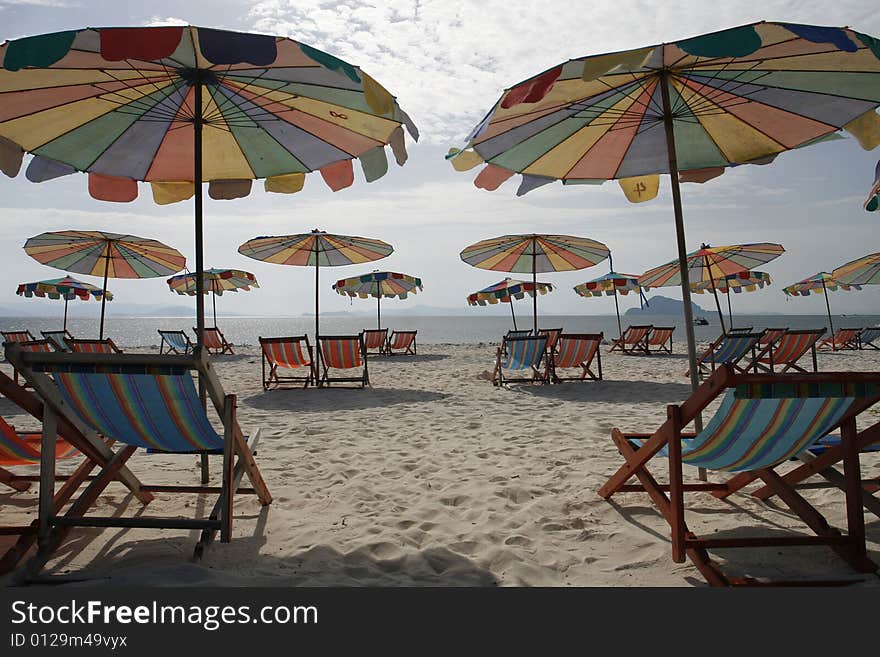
[(141, 332)]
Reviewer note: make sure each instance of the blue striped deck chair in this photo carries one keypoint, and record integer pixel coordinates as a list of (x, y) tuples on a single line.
[(868, 337), (521, 354), (763, 420), (58, 338), (177, 342), (728, 348), (149, 402)]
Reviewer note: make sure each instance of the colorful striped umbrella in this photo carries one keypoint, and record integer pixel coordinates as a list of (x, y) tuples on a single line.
[(688, 108), (316, 249), (110, 255), (611, 284), (506, 291), (219, 281), (178, 106), (66, 288), (708, 264), (862, 271), (379, 284), (535, 253), (873, 200), (744, 281), (820, 283)]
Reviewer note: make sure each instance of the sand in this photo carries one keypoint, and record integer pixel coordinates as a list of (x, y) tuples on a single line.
[(435, 477)]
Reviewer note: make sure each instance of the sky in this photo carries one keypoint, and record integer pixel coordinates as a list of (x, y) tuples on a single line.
[(447, 62)]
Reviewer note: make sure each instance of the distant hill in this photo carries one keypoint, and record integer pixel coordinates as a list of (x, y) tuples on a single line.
[(659, 305), (43, 308)]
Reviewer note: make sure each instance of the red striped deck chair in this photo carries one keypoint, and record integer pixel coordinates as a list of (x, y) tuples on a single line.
[(404, 341), (524, 354), (729, 348), (215, 342), (177, 342), (35, 345), (784, 354), (143, 401), (293, 353), (634, 340), (868, 336), (342, 352), (23, 448), (771, 335), (17, 336), (552, 336), (763, 420), (845, 338), (576, 350), (375, 339), (661, 338), (84, 346)]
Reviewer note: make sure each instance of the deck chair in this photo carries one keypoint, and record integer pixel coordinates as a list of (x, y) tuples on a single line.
[(35, 345), (23, 448), (868, 337), (552, 336), (215, 342), (845, 338), (518, 333), (741, 329), (661, 338), (521, 354), (634, 340), (141, 401), (84, 346), (17, 336), (293, 353), (375, 339), (58, 338), (771, 335), (763, 420), (342, 352), (784, 354), (575, 350), (401, 341), (732, 348), (177, 342)]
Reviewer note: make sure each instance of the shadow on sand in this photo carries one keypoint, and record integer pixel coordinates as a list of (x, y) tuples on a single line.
[(634, 392), (298, 399)]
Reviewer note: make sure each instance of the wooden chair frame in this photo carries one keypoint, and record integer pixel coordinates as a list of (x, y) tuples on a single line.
[(625, 343), (63, 335), (276, 380), (325, 379), (845, 339), (869, 344), (552, 373), (26, 334), (709, 355)]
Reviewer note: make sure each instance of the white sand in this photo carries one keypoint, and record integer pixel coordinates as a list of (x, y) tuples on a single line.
[(435, 477)]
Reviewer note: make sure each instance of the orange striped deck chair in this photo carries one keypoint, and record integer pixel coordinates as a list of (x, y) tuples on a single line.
[(576, 350), (845, 338), (215, 342), (762, 421), (661, 338), (375, 339), (404, 341), (342, 352), (784, 354), (17, 336), (292, 353), (552, 335), (771, 335), (84, 346), (634, 340), (23, 448)]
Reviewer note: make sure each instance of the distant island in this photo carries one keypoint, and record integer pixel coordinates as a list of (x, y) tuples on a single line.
[(659, 305)]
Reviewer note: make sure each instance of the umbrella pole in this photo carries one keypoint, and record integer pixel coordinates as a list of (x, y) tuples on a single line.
[(199, 244), (729, 311), (65, 313), (512, 315), (617, 310), (534, 288), (682, 249), (214, 302), (715, 294), (828, 308), (379, 312), (104, 292)]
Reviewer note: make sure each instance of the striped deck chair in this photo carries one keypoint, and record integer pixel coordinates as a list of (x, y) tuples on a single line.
[(84, 346), (141, 401), (23, 448), (576, 350), (404, 341), (763, 420), (292, 353), (35, 345), (521, 354), (17, 336), (518, 333), (177, 342), (784, 354), (215, 342), (661, 338), (375, 339), (729, 348), (634, 340), (342, 352), (868, 337), (845, 338), (58, 338), (740, 329), (552, 336), (771, 335)]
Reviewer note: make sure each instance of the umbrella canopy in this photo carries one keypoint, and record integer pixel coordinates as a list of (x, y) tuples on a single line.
[(820, 283), (316, 249), (379, 284), (611, 284), (744, 281), (66, 288), (110, 255), (535, 253), (873, 200), (691, 107), (506, 291), (218, 281), (862, 271)]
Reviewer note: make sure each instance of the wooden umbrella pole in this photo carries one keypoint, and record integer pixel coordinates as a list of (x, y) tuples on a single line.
[(617, 310), (379, 311), (214, 302), (828, 308), (198, 121), (715, 293), (317, 278), (729, 311), (511, 313), (534, 286), (65, 313), (103, 293)]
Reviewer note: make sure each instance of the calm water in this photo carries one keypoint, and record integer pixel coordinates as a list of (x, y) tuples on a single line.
[(141, 331)]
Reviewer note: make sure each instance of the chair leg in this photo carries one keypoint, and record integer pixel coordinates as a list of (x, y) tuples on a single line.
[(226, 496), (676, 492), (855, 513)]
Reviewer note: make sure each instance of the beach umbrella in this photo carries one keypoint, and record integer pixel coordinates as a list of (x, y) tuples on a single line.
[(611, 284), (535, 253), (862, 271), (177, 106), (821, 283), (708, 264), (873, 200), (316, 249), (744, 281), (108, 255), (688, 109), (379, 284), (506, 291), (67, 288), (218, 282)]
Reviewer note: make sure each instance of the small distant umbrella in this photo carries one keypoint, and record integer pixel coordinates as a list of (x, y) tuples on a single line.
[(873, 200), (820, 283), (379, 284), (611, 284), (66, 288), (506, 291), (217, 281), (535, 253), (744, 281), (110, 255)]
